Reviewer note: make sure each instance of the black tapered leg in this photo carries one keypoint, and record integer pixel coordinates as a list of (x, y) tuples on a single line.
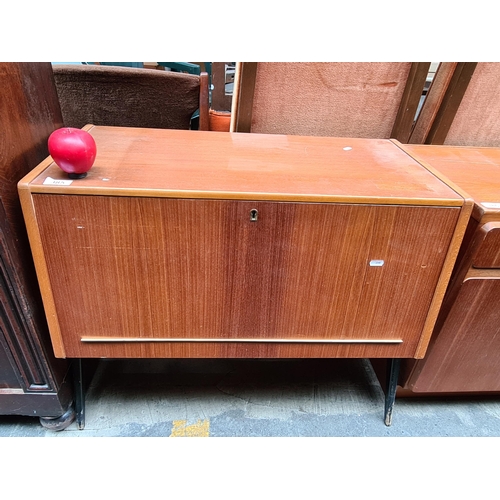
[(79, 393), (392, 384)]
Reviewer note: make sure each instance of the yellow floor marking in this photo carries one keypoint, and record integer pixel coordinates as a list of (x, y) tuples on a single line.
[(181, 429)]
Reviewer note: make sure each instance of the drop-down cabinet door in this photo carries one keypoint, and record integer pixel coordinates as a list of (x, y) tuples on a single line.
[(284, 279)]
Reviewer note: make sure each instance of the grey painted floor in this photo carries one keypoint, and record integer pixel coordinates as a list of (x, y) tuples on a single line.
[(247, 398)]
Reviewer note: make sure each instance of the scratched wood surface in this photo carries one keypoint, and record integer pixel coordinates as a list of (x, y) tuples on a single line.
[(187, 164), (177, 268), (476, 170)]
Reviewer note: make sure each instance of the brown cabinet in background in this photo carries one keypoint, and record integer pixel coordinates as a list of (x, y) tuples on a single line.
[(32, 381), (464, 352)]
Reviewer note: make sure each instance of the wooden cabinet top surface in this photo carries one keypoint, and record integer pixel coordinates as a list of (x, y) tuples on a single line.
[(218, 165), (475, 170)]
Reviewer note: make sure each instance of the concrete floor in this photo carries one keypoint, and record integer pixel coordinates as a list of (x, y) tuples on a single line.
[(249, 398)]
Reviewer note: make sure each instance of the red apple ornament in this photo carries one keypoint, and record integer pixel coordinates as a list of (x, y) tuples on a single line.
[(73, 150)]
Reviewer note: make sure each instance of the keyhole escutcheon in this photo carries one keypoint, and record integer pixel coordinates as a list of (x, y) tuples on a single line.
[(254, 214)]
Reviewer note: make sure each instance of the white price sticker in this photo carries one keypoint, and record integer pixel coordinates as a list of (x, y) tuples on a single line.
[(57, 182), (490, 205)]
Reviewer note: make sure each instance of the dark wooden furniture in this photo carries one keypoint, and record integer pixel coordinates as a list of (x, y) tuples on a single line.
[(464, 352), (184, 244), (32, 381), (369, 100), (130, 97)]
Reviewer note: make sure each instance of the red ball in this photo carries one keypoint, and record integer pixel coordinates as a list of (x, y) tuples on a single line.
[(73, 150)]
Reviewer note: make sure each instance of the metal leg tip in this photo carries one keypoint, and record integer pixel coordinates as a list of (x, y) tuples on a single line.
[(388, 419)]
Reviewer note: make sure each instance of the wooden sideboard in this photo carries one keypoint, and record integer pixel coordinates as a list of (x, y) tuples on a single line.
[(464, 354), (185, 244)]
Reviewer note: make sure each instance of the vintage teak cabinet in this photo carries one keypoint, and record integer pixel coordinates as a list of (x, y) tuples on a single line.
[(464, 353), (185, 244)]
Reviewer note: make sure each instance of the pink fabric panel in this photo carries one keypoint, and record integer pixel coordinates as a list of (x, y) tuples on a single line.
[(328, 99), (477, 122)]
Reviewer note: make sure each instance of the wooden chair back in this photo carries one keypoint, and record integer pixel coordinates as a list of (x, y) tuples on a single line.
[(130, 97), (462, 107), (368, 100)]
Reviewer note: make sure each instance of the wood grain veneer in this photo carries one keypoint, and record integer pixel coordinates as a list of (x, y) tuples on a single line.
[(488, 255), (463, 355), (157, 243), (466, 357), (200, 268)]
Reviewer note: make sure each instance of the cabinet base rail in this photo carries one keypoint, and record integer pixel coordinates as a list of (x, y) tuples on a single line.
[(393, 366), (264, 340)]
